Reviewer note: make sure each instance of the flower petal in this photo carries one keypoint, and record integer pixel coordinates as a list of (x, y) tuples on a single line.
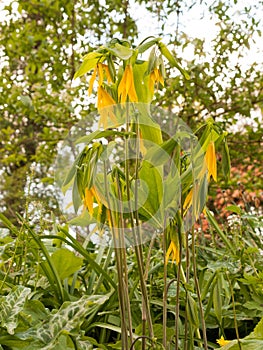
[(88, 200), (174, 251), (92, 79), (210, 158)]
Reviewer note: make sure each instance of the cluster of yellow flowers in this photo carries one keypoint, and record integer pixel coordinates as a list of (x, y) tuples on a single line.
[(126, 92), (126, 89)]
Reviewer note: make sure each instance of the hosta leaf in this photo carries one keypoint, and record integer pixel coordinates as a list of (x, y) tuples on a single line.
[(11, 305)]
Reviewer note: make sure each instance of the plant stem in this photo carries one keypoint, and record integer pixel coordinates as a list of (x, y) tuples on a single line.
[(165, 290), (177, 306), (198, 292), (234, 310), (124, 333), (134, 218), (124, 260), (187, 268)]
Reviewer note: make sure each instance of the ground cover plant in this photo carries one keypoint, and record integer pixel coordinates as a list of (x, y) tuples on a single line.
[(158, 282)]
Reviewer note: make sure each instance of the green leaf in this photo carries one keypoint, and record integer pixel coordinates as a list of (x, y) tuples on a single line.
[(160, 154), (77, 201), (215, 225), (141, 82), (67, 319), (150, 130), (257, 332), (89, 62), (173, 62), (36, 310), (10, 307), (66, 262), (235, 209), (152, 176), (172, 191), (217, 299), (158, 332), (82, 220), (100, 134), (226, 165), (70, 175), (254, 341), (93, 342), (253, 344), (145, 45), (120, 51), (192, 311), (12, 342)]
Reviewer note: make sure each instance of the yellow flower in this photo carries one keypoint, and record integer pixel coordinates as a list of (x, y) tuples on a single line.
[(188, 201), (90, 194), (126, 87), (105, 107), (174, 251), (210, 158), (155, 77), (222, 341), (99, 70)]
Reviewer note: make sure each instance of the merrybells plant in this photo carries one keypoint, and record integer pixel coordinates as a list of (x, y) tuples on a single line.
[(137, 180)]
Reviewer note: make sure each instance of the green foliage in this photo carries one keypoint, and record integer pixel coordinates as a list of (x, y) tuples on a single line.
[(28, 324)]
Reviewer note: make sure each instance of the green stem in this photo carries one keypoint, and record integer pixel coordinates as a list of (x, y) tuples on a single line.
[(124, 260), (124, 333), (180, 275), (135, 218), (198, 291), (177, 306), (187, 257), (234, 309), (165, 290)]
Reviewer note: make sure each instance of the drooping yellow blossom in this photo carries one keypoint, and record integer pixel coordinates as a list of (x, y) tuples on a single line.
[(188, 201), (174, 251), (105, 107), (99, 70), (90, 194), (222, 341), (210, 158), (126, 87), (155, 77)]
